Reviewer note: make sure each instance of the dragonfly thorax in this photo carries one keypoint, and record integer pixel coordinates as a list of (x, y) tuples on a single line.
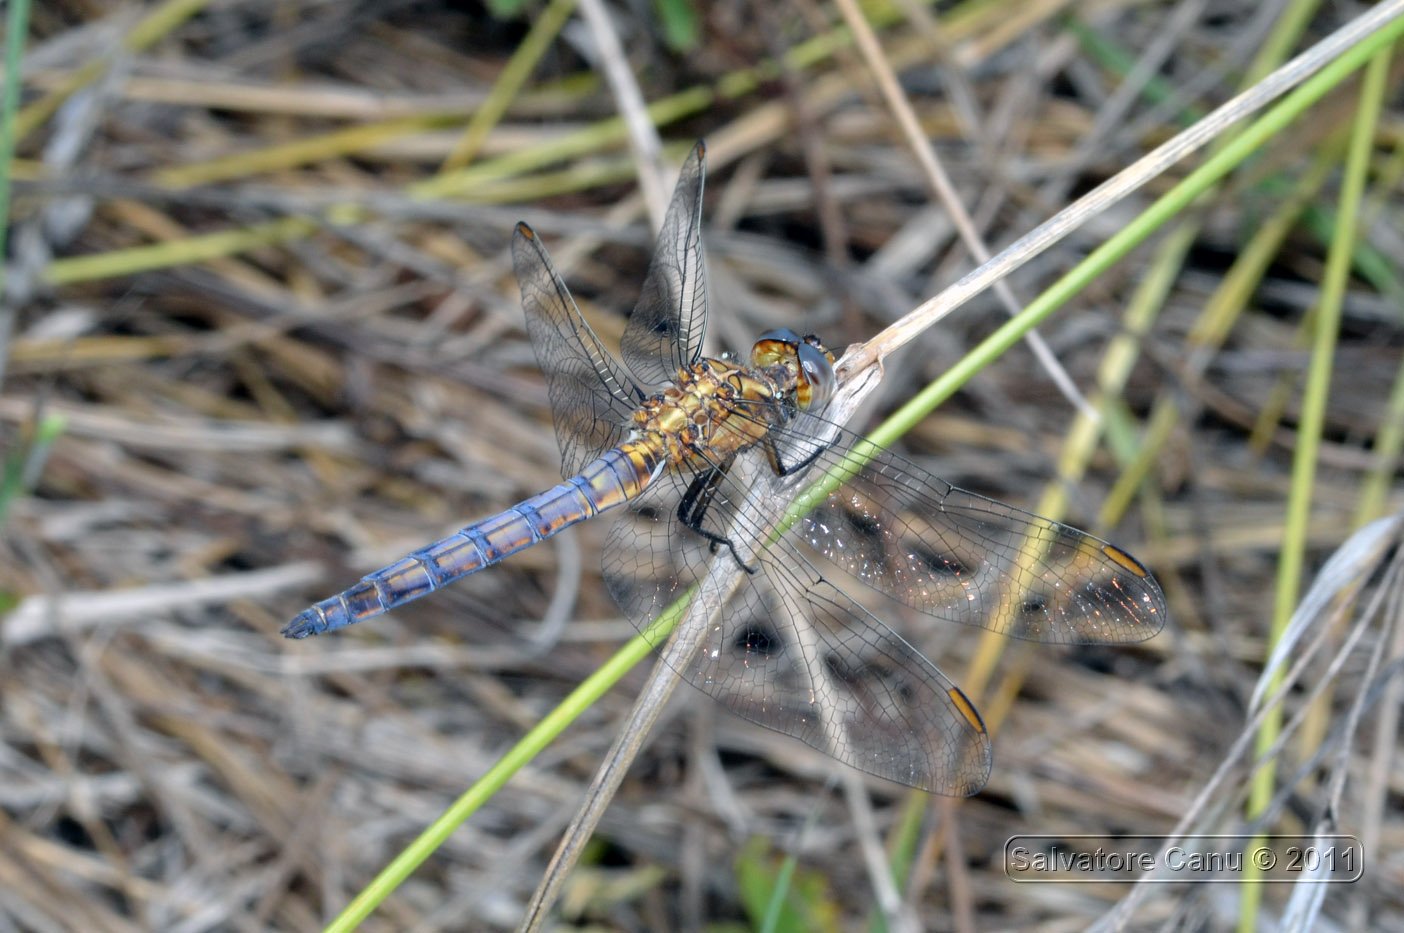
[(715, 408)]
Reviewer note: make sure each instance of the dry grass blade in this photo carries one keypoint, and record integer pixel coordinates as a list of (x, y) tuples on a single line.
[(1152, 165), (643, 135), (1340, 580), (1334, 600), (944, 190)]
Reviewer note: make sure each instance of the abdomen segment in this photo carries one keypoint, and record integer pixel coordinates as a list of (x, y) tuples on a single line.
[(618, 475)]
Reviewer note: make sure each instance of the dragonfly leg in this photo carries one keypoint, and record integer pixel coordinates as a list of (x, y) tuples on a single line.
[(772, 453), (693, 509)]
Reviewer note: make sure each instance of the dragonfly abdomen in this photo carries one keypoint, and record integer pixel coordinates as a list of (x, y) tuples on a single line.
[(616, 476)]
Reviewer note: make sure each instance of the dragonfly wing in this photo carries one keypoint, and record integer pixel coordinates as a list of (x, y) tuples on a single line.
[(960, 556), (665, 331), (592, 396), (791, 651)]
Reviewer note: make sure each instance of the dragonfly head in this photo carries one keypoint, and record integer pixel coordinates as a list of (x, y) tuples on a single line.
[(808, 365)]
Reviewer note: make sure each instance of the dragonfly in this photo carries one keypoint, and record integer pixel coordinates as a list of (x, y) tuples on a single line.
[(680, 443)]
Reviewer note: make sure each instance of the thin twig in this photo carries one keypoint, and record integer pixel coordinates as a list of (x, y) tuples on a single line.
[(643, 135), (945, 192), (1139, 173), (40, 616), (713, 591)]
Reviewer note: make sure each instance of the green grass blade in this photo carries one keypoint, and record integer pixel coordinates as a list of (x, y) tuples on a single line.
[(552, 725), (1292, 557)]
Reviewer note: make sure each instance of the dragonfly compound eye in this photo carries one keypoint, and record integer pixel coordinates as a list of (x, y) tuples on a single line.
[(816, 374), (775, 347), (783, 335)]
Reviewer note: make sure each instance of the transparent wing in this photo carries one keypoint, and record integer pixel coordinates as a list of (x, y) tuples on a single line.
[(793, 652), (666, 329), (960, 556), (592, 396), (797, 649)]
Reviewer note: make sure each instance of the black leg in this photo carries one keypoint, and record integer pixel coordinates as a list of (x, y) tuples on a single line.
[(695, 503), (772, 453)]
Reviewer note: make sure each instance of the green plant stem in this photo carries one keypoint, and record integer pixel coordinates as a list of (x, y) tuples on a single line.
[(530, 745), (1313, 418)]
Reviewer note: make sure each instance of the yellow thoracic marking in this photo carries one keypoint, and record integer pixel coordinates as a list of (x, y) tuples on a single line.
[(1123, 560), (962, 703), (697, 414)]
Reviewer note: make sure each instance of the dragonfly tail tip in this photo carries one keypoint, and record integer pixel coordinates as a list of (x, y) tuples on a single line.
[(303, 625)]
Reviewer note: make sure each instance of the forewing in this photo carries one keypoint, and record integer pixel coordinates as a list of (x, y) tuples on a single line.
[(960, 556), (665, 332), (790, 651), (591, 394)]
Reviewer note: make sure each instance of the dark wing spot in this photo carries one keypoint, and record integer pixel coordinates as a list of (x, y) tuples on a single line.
[(757, 639), (1035, 602), (941, 565), (874, 686), (864, 523), (837, 669)]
